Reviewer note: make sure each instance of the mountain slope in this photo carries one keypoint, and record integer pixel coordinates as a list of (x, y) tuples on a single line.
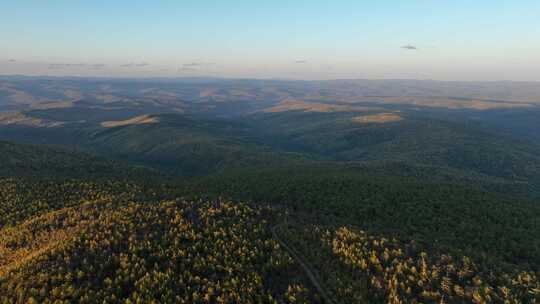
[(57, 162)]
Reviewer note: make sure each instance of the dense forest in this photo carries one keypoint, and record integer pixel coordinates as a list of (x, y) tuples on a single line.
[(111, 243), (366, 237), (359, 267)]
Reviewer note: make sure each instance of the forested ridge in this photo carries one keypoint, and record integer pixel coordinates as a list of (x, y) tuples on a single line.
[(103, 246), (50, 162)]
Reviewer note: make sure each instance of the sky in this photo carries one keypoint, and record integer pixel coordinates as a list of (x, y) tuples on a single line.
[(288, 39)]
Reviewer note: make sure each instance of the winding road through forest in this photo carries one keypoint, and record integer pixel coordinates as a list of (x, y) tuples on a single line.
[(308, 269)]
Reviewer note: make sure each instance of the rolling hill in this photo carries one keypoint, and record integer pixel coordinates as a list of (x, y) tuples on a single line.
[(190, 145)]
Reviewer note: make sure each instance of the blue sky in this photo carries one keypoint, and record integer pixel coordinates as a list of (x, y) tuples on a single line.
[(460, 40)]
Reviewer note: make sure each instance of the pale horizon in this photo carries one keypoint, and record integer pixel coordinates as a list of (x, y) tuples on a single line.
[(301, 40)]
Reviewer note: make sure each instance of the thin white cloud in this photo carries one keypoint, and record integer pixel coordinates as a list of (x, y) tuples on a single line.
[(409, 47), (198, 64)]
